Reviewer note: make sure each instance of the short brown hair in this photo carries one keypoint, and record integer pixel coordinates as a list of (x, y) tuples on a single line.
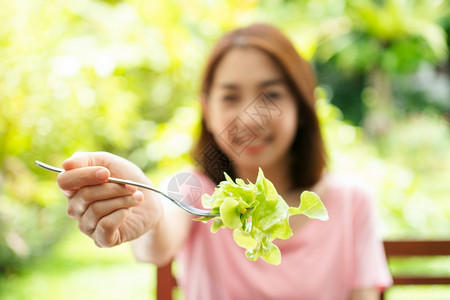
[(308, 150)]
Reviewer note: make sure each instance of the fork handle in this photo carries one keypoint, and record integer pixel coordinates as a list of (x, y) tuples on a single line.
[(186, 207), (110, 179)]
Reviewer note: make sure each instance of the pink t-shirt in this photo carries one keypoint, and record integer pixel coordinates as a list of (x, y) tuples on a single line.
[(323, 260)]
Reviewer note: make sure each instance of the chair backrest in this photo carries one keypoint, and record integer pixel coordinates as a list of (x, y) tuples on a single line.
[(412, 248), (418, 248), (166, 282)]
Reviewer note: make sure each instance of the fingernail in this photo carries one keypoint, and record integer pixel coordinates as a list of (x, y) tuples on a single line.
[(131, 188), (102, 174), (138, 196)]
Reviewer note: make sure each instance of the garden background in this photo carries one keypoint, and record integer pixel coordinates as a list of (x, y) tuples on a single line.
[(123, 76)]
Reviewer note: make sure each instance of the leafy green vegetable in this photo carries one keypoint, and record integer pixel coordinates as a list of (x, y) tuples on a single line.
[(258, 214)]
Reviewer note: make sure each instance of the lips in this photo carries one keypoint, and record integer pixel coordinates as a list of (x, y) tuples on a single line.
[(258, 145)]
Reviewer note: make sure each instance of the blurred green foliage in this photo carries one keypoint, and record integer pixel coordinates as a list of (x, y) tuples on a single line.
[(76, 269), (122, 76)]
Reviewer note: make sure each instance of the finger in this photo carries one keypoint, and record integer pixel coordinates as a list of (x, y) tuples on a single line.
[(74, 179), (104, 191), (81, 199), (106, 233), (87, 159), (100, 209)]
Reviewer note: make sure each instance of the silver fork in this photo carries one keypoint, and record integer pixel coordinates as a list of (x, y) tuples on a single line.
[(190, 209)]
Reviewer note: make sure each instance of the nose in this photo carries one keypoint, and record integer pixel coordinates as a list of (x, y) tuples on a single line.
[(259, 112), (250, 118)]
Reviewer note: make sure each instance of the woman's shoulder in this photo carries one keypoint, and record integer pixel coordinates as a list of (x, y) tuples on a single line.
[(349, 196), (345, 180), (351, 186)]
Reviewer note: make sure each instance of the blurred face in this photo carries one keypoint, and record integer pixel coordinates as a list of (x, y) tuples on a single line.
[(251, 111)]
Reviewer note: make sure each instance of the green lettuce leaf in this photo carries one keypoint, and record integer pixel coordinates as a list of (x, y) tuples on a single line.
[(310, 206), (258, 214)]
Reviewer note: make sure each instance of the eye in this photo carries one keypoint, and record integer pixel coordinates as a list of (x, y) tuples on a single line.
[(230, 98), (274, 95)]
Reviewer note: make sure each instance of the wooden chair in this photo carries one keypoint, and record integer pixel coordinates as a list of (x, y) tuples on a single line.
[(166, 282), (414, 248)]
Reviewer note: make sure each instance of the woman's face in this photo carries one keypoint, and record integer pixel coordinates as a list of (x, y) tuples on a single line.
[(250, 111)]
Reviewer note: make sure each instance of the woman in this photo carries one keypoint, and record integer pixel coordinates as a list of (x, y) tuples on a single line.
[(258, 111)]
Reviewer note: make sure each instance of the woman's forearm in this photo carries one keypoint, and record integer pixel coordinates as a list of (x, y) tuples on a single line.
[(160, 244)]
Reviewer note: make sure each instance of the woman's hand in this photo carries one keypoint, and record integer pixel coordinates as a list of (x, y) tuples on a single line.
[(109, 213)]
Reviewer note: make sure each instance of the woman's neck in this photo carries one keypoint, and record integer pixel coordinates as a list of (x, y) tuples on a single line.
[(279, 174)]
